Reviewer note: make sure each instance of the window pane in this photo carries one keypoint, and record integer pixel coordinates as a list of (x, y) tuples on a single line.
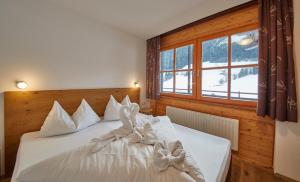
[(183, 82), (166, 82), (244, 48), (166, 60), (244, 83), (184, 57), (215, 52), (214, 83)]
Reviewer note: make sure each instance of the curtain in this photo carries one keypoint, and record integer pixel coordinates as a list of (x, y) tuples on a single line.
[(276, 81), (152, 68)]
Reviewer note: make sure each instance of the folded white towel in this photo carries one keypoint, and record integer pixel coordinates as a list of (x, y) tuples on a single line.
[(128, 118), (145, 135), (142, 134), (127, 114), (141, 120), (141, 131), (172, 154), (168, 154), (134, 110)]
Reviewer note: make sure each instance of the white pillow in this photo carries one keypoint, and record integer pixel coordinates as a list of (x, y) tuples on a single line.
[(112, 110), (58, 122), (84, 116), (126, 101)]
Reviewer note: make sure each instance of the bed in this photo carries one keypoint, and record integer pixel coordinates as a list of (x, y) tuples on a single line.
[(211, 153), (26, 111)]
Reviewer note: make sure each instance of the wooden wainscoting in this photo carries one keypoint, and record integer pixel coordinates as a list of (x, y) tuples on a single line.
[(256, 134)]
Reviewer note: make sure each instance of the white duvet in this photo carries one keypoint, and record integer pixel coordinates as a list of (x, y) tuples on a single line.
[(119, 161)]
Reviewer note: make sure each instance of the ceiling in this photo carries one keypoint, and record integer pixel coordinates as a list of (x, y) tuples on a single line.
[(143, 18)]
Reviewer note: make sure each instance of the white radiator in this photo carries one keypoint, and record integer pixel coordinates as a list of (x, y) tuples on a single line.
[(215, 125)]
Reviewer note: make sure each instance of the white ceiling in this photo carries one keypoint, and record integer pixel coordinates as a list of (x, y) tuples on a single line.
[(145, 18)]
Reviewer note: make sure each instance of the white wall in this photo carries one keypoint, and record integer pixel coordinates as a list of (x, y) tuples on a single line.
[(54, 48), (287, 135)]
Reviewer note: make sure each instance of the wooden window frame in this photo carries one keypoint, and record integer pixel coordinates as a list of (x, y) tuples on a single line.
[(174, 71), (197, 68)]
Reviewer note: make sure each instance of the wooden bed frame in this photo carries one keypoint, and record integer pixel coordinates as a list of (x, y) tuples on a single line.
[(26, 111)]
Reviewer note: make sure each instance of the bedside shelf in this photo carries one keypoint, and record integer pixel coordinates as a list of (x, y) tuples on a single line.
[(147, 111)]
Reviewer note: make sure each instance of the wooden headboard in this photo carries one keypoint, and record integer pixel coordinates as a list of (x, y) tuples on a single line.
[(26, 111)]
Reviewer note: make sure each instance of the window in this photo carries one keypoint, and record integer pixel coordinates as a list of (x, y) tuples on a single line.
[(230, 66), (176, 68), (226, 65)]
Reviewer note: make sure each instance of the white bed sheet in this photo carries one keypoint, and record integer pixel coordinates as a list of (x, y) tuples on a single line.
[(211, 153)]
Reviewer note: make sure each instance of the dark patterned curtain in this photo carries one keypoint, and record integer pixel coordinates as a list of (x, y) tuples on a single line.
[(152, 68), (276, 88)]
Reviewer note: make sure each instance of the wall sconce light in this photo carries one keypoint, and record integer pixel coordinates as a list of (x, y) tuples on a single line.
[(137, 84), (21, 85)]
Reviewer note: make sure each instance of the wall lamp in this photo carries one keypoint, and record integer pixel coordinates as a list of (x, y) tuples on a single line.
[(21, 85), (137, 84)]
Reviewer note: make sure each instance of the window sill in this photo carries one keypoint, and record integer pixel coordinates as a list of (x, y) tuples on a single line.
[(183, 96), (237, 104)]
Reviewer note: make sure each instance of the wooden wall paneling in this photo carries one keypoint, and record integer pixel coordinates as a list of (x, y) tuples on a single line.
[(26, 111), (245, 17), (256, 134)]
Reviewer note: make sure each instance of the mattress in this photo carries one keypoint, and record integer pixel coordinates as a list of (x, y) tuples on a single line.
[(211, 153)]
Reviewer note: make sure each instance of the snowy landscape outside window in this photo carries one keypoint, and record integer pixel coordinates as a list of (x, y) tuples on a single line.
[(230, 66), (226, 67), (176, 66)]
